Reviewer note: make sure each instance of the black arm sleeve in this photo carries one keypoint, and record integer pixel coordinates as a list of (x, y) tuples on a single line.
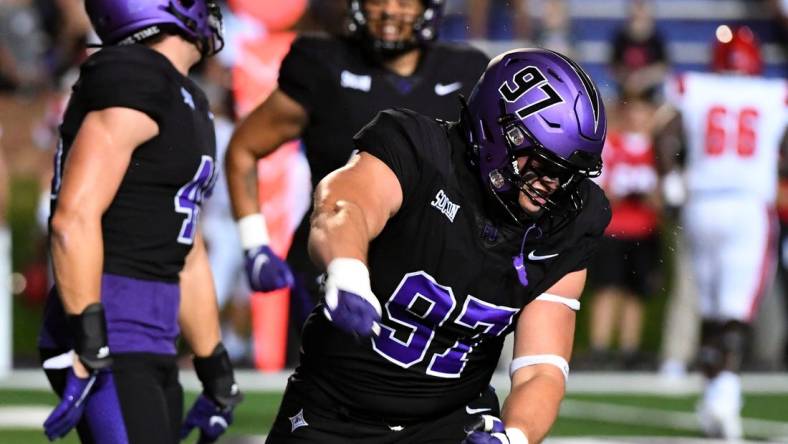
[(595, 218), (390, 137), (129, 82), (299, 74)]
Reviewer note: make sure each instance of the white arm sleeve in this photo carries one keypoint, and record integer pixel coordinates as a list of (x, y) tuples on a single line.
[(574, 304), (554, 360)]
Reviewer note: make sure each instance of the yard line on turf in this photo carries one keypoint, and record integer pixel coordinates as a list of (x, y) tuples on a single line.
[(24, 416), (579, 382), (620, 414)]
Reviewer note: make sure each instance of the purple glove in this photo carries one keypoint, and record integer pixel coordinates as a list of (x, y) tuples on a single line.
[(490, 430), (349, 301), (209, 417), (266, 272), (69, 411)]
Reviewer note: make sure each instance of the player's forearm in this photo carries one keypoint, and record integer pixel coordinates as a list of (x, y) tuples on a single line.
[(337, 230), (77, 256), (241, 172), (199, 312), (532, 406)]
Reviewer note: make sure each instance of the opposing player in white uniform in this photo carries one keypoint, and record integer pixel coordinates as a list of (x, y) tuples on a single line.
[(731, 122)]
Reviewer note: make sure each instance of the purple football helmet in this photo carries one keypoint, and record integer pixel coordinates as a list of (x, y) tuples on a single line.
[(425, 28), (536, 103), (119, 22)]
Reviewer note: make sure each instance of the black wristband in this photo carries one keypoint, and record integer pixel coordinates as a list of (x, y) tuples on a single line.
[(89, 330), (216, 375)]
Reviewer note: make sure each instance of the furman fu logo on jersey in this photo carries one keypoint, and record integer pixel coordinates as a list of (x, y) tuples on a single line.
[(445, 206)]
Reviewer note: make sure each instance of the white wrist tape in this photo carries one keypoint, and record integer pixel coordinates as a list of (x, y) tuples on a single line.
[(349, 274), (253, 231), (574, 304), (554, 360), (516, 436)]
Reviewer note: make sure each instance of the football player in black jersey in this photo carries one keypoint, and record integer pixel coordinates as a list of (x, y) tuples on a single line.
[(440, 238), (135, 160), (329, 88)]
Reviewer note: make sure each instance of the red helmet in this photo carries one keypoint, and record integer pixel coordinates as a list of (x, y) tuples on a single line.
[(736, 50)]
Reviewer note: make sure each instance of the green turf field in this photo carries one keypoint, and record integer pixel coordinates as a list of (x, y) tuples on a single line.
[(256, 414)]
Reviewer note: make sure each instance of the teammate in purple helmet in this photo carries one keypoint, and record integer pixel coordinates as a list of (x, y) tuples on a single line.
[(135, 161), (440, 238)]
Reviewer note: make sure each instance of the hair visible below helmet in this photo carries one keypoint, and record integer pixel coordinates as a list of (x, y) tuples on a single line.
[(538, 103), (425, 28), (133, 21), (736, 50)]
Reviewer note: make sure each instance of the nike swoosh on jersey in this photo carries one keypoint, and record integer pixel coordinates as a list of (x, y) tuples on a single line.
[(471, 411), (534, 257), (442, 90)]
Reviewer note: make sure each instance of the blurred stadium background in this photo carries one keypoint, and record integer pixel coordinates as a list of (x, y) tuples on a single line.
[(623, 398)]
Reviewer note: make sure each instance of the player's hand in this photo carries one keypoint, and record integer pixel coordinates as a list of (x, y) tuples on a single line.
[(212, 412), (209, 417), (266, 271), (490, 430), (68, 412), (349, 301)]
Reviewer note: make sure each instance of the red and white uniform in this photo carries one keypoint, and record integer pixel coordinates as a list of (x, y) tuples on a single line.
[(733, 125), (629, 176)]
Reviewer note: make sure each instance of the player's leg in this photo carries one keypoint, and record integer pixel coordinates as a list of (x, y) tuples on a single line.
[(643, 274), (746, 259), (149, 395), (681, 329), (606, 277)]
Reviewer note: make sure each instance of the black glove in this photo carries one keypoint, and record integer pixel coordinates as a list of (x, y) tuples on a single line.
[(212, 412)]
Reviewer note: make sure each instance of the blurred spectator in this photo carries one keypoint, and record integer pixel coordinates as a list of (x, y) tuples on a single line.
[(639, 56), (554, 30), (626, 269), (779, 10), (68, 36), (782, 212), (219, 231), (499, 19), (5, 268), (22, 45)]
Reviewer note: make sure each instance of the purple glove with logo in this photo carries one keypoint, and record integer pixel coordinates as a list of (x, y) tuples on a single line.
[(209, 417), (349, 301), (266, 272), (212, 411), (490, 430), (69, 411)]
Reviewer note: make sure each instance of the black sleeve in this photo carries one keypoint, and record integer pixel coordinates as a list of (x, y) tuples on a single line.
[(594, 218), (299, 74), (390, 138), (110, 81)]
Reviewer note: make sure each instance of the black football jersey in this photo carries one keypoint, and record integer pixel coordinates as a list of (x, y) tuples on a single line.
[(342, 91), (443, 272), (150, 225)]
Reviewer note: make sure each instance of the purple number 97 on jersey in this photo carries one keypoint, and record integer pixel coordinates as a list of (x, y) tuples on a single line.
[(190, 196), (418, 308)]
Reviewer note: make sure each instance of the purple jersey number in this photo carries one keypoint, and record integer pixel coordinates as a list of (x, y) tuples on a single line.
[(191, 195), (417, 308)]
